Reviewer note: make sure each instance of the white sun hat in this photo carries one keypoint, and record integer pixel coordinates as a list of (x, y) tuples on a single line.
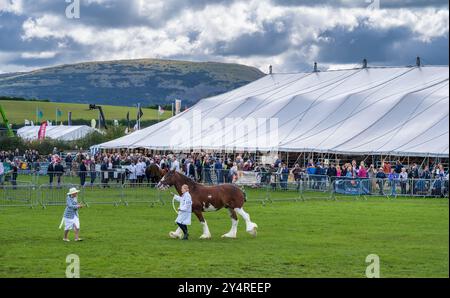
[(72, 191)]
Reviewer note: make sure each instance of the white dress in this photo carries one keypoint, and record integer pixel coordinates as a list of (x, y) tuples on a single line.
[(185, 209)]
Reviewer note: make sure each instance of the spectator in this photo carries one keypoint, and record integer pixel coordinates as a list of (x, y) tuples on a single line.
[(413, 175), (311, 171), (371, 174), (233, 173), (386, 168), (82, 173), (132, 173), (59, 171), (332, 174), (350, 173), (104, 169), (381, 176), (362, 172), (175, 165), (403, 177), (297, 173), (207, 171), (426, 174), (50, 173), (14, 172), (393, 177), (283, 173), (218, 169), (398, 167), (140, 171), (68, 161), (199, 168), (2, 172), (92, 170), (190, 169)]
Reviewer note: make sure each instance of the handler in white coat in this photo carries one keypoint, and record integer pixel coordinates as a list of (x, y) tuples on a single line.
[(184, 211)]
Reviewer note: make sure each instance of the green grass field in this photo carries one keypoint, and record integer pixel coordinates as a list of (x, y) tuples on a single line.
[(18, 111), (312, 238)]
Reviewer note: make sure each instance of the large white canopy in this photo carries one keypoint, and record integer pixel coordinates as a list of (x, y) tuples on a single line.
[(60, 132), (385, 110)]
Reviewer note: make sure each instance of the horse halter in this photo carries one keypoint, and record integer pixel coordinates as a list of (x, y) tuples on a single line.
[(162, 185)]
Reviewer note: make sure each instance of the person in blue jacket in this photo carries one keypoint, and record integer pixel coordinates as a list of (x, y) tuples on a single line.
[(70, 217), (393, 179)]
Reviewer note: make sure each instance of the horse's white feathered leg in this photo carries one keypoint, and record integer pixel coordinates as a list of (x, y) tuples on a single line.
[(233, 231), (251, 226), (177, 234), (206, 234)]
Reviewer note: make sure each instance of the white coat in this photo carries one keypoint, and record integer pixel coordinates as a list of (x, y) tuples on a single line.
[(185, 209), (132, 175)]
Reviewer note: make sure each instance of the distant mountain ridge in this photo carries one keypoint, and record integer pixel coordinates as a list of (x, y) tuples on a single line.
[(127, 82)]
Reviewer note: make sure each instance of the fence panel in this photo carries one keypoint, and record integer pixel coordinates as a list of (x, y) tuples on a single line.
[(17, 196), (391, 187), (316, 183), (52, 195), (99, 193), (144, 193)]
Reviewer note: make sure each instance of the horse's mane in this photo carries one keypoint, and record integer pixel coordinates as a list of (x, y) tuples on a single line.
[(189, 181)]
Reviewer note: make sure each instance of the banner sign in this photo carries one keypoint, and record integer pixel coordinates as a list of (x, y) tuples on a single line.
[(41, 133)]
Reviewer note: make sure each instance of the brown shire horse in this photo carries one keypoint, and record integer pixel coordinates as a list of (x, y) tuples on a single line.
[(210, 198), (154, 173)]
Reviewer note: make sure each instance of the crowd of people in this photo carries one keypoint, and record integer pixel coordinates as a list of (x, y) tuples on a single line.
[(131, 167)]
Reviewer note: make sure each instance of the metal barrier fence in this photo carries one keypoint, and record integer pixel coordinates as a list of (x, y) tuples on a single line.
[(392, 187), (16, 195), (316, 183), (102, 193), (275, 189)]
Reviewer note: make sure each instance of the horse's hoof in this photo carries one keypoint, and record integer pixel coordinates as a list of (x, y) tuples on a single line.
[(205, 237), (229, 236), (173, 235), (253, 231)]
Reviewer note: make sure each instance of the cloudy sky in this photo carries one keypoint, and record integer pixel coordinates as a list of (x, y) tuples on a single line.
[(288, 34)]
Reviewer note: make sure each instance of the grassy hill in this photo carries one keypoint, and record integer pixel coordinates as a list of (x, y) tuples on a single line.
[(127, 82), (18, 111)]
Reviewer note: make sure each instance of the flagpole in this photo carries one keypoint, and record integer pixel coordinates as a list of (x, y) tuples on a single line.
[(138, 121)]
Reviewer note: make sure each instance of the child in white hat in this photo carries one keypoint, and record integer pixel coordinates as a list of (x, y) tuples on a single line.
[(70, 217)]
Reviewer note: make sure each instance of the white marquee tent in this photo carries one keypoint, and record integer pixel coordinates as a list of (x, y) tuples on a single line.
[(385, 110), (60, 132)]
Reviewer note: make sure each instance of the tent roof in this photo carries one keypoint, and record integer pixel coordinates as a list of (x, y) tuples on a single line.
[(385, 110), (58, 132)]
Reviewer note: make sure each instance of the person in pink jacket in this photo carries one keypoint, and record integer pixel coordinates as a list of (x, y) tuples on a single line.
[(362, 172)]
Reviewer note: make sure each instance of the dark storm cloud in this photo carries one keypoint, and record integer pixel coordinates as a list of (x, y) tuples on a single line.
[(364, 3), (396, 46), (119, 14), (270, 41), (10, 36)]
